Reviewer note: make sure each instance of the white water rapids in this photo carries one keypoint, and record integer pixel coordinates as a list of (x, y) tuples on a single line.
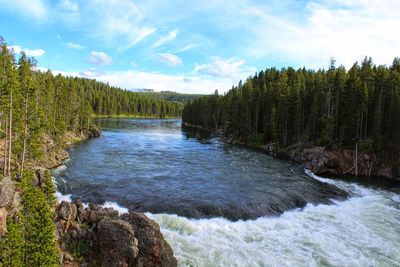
[(361, 231)]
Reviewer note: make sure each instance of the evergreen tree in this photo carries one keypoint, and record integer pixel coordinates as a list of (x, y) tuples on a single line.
[(12, 244), (40, 249), (321, 107)]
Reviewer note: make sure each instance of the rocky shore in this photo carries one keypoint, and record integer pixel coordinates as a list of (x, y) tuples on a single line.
[(97, 236), (339, 161), (92, 235), (333, 160)]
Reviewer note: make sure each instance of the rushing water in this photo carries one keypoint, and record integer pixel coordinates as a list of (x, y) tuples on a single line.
[(203, 193)]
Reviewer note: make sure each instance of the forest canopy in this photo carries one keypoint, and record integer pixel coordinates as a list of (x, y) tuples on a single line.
[(322, 107)]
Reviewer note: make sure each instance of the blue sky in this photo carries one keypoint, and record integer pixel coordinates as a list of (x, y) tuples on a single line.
[(197, 46)]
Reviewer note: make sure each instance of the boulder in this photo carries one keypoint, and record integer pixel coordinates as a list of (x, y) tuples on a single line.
[(94, 131), (66, 211), (7, 189), (3, 221), (153, 249), (103, 238), (116, 244), (82, 214), (39, 176)]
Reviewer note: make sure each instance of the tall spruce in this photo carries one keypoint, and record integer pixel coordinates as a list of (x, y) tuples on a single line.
[(321, 107)]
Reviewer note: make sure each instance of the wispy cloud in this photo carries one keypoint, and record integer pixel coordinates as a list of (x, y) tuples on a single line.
[(169, 59), (99, 58), (73, 45), (346, 30), (160, 82), (119, 24), (231, 68), (36, 9), (165, 39), (187, 48), (241, 34), (29, 52), (68, 11), (92, 73)]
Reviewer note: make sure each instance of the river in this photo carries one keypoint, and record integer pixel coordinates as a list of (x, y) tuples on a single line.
[(225, 205)]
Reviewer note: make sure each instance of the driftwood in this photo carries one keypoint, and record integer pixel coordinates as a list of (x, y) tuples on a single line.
[(297, 149), (355, 164)]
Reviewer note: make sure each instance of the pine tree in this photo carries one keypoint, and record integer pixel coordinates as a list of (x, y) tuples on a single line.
[(12, 244), (40, 249)]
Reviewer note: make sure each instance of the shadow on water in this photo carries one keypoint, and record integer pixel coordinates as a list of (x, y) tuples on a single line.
[(151, 165)]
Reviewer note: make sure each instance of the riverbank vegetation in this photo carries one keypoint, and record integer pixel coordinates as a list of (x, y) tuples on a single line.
[(319, 107), (39, 114)]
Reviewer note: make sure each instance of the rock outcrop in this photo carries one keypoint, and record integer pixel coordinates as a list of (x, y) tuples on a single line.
[(94, 131), (3, 221), (153, 249), (8, 201), (99, 236), (7, 190), (339, 161)]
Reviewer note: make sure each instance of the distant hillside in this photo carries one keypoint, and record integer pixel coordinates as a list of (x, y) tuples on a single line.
[(172, 96)]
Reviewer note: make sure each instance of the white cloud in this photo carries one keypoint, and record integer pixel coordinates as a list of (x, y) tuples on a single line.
[(345, 30), (92, 73), (231, 68), (99, 58), (29, 52), (73, 45), (36, 9), (186, 48), (70, 6), (160, 82), (165, 39), (67, 11), (119, 24), (169, 59)]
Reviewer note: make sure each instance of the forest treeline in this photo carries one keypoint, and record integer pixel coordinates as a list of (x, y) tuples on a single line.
[(289, 106), (112, 101), (172, 96), (37, 106), (33, 103)]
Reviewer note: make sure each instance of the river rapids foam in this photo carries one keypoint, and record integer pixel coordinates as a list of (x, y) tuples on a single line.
[(362, 231)]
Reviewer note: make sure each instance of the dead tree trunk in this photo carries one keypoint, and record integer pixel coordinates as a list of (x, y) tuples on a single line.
[(5, 147), (10, 136), (25, 135)]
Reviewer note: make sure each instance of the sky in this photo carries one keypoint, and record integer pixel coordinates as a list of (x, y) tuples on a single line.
[(197, 46)]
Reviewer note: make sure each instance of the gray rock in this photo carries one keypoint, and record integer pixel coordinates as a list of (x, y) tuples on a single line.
[(78, 203), (66, 211), (7, 189), (3, 221), (117, 243), (112, 240), (68, 257), (94, 131), (39, 176), (153, 249)]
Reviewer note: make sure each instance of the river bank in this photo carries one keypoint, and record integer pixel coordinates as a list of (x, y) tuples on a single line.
[(93, 235), (219, 204), (82, 230), (325, 160), (133, 116)]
